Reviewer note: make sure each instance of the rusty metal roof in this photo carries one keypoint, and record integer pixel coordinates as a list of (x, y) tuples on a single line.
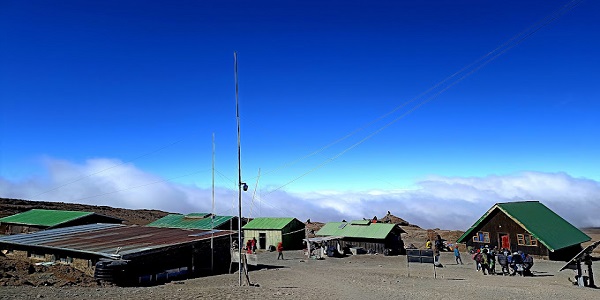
[(111, 240)]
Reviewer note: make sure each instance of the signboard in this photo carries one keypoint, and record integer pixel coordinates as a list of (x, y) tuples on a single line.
[(419, 256)]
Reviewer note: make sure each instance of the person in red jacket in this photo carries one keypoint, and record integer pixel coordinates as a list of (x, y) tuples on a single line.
[(280, 250)]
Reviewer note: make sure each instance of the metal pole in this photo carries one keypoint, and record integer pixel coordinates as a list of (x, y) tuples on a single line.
[(212, 217), (237, 113)]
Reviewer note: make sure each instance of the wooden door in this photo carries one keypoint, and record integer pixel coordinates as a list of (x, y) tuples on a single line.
[(505, 240)]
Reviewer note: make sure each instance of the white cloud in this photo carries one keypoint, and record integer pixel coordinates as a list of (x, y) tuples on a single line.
[(442, 202)]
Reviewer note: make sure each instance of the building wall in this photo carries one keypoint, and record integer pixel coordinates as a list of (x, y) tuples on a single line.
[(85, 265), (293, 235), (9, 229), (499, 223), (273, 237), (195, 258)]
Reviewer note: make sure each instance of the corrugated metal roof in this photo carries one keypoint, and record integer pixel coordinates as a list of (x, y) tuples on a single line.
[(546, 226), (45, 217), (268, 223), (370, 231), (110, 240), (191, 221)]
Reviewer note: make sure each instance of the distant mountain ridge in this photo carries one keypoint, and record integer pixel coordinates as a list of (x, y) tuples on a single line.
[(10, 207)]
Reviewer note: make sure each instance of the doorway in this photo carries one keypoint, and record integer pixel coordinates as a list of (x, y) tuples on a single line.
[(504, 240), (262, 241)]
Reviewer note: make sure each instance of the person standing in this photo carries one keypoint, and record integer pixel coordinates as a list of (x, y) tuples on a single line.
[(249, 247), (428, 244), (254, 245), (503, 262), (280, 250), (457, 255), (485, 261)]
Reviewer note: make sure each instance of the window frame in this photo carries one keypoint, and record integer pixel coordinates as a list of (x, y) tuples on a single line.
[(482, 237), (524, 239)]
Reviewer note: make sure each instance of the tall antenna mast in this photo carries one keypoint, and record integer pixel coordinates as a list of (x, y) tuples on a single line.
[(212, 215), (237, 113)]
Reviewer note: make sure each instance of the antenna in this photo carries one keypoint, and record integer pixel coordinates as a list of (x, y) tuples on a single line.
[(212, 215), (250, 214), (237, 115)]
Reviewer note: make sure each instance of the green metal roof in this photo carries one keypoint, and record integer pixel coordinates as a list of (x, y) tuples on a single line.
[(356, 230), (45, 217), (545, 225), (268, 223), (190, 221)]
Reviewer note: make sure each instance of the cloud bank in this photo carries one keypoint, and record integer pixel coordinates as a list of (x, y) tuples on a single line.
[(437, 202)]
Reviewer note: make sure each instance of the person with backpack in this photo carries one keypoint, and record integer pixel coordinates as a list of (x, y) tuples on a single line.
[(503, 262), (485, 261), (477, 259), (527, 264), (492, 257), (517, 264)]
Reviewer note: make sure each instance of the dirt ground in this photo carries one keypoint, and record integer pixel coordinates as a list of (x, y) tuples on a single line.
[(353, 277)]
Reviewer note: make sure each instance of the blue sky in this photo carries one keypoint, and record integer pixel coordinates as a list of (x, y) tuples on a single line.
[(116, 102)]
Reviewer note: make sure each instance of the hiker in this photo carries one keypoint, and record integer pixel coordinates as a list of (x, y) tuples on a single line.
[(457, 255), (527, 264), (254, 245), (517, 264), (503, 262), (249, 247), (492, 256), (477, 258), (439, 243), (280, 250), (485, 261), (428, 244)]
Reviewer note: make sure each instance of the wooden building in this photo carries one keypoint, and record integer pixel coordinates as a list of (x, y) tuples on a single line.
[(270, 231), (382, 238), (527, 226), (42, 219)]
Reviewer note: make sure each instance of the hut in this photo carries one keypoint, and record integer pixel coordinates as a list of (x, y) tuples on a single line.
[(126, 255), (42, 219), (527, 226), (206, 221), (372, 236), (270, 231)]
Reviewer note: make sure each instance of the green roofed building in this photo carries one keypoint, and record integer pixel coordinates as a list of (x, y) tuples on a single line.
[(378, 237), (527, 226), (270, 231), (206, 221), (40, 219)]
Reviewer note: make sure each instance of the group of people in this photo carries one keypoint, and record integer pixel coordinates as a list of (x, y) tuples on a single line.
[(510, 263), (438, 246), (251, 246)]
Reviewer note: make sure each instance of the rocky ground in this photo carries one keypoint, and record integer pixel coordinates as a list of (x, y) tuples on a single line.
[(16, 273)]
